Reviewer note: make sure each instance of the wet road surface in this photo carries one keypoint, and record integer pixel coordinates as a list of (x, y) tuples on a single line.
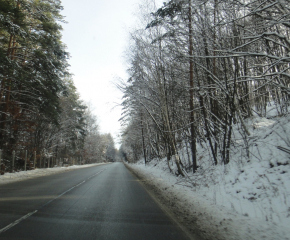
[(101, 202)]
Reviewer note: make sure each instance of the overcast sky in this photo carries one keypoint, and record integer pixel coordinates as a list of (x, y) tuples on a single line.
[(95, 36)]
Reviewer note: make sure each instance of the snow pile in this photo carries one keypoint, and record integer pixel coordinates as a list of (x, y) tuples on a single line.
[(247, 199), (40, 172)]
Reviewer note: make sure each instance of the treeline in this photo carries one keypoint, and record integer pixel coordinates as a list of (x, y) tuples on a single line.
[(40, 109), (197, 69)]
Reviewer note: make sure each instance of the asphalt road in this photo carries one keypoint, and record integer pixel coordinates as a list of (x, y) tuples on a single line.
[(101, 202)]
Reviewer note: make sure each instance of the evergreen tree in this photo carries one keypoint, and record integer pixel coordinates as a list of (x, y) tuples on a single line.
[(33, 64)]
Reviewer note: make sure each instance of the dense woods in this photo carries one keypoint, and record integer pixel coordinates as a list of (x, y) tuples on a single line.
[(40, 110), (198, 68)]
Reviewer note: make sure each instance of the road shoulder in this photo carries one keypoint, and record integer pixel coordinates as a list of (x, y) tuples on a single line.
[(40, 172), (171, 205)]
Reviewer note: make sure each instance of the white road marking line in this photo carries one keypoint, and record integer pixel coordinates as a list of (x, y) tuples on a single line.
[(16, 222), (30, 214), (70, 189)]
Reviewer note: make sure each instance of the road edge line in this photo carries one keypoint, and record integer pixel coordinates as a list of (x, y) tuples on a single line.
[(163, 205)]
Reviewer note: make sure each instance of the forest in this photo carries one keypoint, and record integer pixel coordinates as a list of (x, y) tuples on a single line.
[(42, 117), (197, 70)]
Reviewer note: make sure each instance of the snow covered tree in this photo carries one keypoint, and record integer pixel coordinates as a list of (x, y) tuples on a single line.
[(201, 67), (33, 64)]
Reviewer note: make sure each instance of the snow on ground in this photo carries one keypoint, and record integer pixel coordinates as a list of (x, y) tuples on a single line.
[(39, 172), (247, 199)]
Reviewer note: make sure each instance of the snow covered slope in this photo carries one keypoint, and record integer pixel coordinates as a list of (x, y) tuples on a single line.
[(247, 199)]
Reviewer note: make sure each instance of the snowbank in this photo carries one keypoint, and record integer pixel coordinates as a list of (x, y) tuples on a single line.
[(19, 176), (247, 199)]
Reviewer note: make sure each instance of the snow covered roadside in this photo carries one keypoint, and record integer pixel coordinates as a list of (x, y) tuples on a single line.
[(202, 216), (40, 172), (249, 198)]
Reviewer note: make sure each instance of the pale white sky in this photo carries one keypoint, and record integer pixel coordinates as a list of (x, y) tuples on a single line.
[(96, 35)]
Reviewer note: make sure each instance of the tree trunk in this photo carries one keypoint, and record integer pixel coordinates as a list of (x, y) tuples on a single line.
[(191, 84)]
